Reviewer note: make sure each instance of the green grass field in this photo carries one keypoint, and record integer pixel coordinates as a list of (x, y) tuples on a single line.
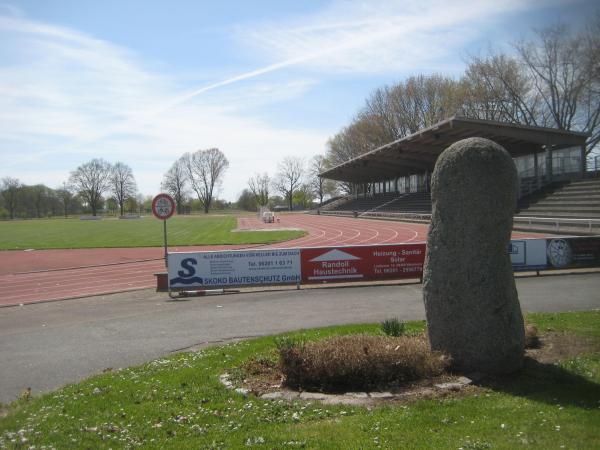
[(178, 402), (146, 232)]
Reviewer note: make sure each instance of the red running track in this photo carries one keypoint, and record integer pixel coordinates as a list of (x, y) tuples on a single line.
[(45, 275)]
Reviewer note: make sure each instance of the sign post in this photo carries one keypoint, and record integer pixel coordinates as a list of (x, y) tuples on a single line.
[(163, 207)]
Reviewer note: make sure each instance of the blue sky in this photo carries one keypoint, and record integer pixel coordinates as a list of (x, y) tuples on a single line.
[(142, 82)]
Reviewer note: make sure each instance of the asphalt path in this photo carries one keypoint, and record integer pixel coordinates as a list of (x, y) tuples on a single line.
[(47, 345)]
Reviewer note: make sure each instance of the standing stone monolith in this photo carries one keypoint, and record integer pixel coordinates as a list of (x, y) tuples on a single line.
[(471, 301)]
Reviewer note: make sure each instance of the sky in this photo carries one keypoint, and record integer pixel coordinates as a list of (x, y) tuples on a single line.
[(143, 82)]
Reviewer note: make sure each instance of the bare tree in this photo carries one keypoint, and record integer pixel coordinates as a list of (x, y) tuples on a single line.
[(393, 112), (497, 88), (288, 178), (205, 169), (320, 186), (66, 197), (552, 81), (10, 194), (175, 183), (259, 186), (562, 72), (123, 184), (91, 180), (408, 106)]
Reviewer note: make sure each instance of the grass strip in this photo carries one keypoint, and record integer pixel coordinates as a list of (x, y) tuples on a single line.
[(178, 402), (144, 232)]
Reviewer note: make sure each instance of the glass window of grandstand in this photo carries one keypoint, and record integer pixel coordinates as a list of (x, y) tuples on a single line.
[(566, 161), (526, 165), (414, 183), (402, 185)]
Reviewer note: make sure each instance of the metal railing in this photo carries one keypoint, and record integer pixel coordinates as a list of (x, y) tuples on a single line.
[(593, 165), (395, 215), (557, 222)]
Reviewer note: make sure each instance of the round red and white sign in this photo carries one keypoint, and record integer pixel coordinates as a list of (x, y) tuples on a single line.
[(163, 206)]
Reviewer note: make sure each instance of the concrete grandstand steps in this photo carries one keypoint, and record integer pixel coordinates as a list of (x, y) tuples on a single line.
[(556, 215), (572, 208), (565, 208), (562, 229), (388, 202), (566, 201), (586, 182), (577, 190)]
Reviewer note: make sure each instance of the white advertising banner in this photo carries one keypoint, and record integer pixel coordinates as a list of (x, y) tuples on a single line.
[(234, 268), (528, 254)]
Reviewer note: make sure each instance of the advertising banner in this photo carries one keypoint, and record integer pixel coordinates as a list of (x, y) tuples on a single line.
[(234, 268), (555, 253), (358, 263), (573, 252), (528, 254)]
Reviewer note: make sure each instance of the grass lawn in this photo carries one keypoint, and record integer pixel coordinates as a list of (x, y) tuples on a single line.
[(146, 232), (178, 402)]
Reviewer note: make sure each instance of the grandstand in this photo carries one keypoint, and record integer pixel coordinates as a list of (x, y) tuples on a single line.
[(393, 181)]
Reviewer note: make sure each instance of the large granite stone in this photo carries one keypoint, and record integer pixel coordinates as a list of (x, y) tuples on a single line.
[(471, 301)]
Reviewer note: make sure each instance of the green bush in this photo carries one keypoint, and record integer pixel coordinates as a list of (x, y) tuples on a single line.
[(393, 327)]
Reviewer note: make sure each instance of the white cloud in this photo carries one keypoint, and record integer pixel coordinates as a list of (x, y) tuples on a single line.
[(379, 36), (66, 97)]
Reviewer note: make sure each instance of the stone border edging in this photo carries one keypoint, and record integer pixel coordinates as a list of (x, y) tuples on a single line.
[(350, 398)]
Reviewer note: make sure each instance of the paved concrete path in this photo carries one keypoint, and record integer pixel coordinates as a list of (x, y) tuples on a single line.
[(47, 345)]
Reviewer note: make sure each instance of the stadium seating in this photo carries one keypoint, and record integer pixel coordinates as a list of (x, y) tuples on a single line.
[(569, 208), (418, 202)]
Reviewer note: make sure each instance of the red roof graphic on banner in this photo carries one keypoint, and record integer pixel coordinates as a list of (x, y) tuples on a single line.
[(335, 255), (377, 262)]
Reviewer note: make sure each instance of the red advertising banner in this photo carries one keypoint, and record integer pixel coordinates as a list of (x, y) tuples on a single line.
[(356, 263)]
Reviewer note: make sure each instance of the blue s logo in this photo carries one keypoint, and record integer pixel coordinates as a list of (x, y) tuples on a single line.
[(188, 264), (186, 275)]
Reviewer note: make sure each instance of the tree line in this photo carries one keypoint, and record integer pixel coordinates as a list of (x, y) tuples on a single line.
[(83, 192), (295, 185)]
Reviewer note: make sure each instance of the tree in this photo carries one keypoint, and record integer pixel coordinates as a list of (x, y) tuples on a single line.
[(393, 112), (111, 205), (552, 81), (205, 169), (259, 187), (246, 201), (123, 184), (91, 180), (304, 196), (40, 196), (407, 107), (496, 88), (66, 197), (320, 186), (175, 183), (562, 74), (10, 194), (288, 178)]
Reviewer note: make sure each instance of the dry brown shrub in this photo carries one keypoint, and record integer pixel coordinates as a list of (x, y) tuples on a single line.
[(359, 362)]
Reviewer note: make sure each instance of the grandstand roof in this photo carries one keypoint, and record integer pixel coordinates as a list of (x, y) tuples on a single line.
[(418, 152)]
